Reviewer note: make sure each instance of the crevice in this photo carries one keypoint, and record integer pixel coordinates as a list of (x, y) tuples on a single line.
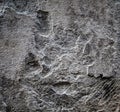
[(62, 83)]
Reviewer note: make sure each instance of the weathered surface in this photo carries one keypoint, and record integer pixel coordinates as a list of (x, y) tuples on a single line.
[(59, 55)]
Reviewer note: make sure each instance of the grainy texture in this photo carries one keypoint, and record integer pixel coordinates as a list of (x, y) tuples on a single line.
[(59, 55)]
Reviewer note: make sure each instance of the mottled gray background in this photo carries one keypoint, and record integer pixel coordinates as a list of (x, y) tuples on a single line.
[(59, 55)]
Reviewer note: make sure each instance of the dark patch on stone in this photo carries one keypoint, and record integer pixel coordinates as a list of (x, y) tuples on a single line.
[(62, 83), (8, 109), (7, 83), (49, 91), (90, 75), (91, 14), (31, 62), (1, 1), (43, 24), (45, 69), (110, 22), (47, 60), (111, 42), (20, 4)]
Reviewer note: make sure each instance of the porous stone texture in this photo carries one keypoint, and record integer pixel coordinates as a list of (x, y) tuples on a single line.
[(59, 56)]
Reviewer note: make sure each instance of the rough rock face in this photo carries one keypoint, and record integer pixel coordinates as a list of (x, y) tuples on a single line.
[(59, 56)]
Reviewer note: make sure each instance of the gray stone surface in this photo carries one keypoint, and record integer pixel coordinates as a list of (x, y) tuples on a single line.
[(59, 55)]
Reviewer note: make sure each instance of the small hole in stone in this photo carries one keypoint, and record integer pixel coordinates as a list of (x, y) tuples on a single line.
[(101, 75)]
